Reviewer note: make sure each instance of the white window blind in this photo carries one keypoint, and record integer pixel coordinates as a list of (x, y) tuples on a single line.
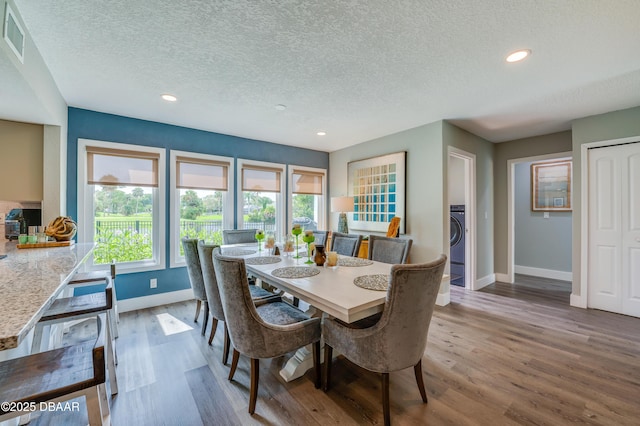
[(260, 179), (193, 173), (117, 167), (305, 182)]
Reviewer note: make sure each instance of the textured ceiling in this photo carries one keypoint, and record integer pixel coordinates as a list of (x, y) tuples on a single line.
[(355, 69)]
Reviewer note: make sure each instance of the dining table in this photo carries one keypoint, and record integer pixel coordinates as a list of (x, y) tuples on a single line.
[(30, 280), (327, 290)]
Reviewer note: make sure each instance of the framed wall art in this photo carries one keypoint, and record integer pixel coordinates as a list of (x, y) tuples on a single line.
[(377, 186), (551, 186)]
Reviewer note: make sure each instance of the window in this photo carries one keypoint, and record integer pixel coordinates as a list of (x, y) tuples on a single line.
[(201, 199), (308, 197), (260, 201), (121, 203)]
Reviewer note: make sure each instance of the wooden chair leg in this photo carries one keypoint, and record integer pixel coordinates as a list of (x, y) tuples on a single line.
[(385, 399), (198, 305), (328, 355), (205, 321), (227, 345), (255, 376), (316, 363), (417, 369), (234, 363), (94, 410), (214, 326)]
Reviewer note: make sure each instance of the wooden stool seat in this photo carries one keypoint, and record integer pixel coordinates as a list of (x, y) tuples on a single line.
[(59, 374)]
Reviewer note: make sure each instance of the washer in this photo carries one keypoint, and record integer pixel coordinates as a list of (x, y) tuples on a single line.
[(457, 243)]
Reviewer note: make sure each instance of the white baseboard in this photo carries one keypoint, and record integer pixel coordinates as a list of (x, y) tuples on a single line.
[(484, 281), (443, 299), (544, 273), (144, 302), (578, 301), (503, 278)]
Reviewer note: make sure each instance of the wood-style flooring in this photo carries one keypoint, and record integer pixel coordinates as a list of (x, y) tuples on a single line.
[(506, 355)]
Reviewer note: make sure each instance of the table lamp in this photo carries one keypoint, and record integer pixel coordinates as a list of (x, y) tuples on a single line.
[(342, 205)]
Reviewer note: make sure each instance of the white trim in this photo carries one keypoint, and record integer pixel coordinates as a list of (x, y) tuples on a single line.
[(86, 210), (322, 208), (443, 299), (175, 260), (544, 273), (485, 281), (144, 302), (503, 278), (582, 299), (280, 198), (511, 176)]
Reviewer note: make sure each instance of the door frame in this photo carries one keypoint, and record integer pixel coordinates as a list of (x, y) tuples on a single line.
[(470, 216), (581, 299), (511, 177)]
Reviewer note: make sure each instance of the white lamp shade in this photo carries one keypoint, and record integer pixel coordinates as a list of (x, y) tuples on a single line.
[(341, 204)]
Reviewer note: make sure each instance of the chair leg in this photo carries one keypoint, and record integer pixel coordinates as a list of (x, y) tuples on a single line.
[(328, 355), (198, 305), (37, 339), (255, 376), (316, 363), (385, 399), (234, 363), (111, 364), (94, 410), (227, 345), (205, 321), (417, 369), (214, 326)]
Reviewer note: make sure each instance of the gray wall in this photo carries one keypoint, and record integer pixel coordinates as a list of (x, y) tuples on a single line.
[(484, 151), (456, 180), (539, 242), (505, 151), (612, 125)]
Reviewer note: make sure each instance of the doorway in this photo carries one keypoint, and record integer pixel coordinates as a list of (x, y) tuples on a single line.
[(461, 195)]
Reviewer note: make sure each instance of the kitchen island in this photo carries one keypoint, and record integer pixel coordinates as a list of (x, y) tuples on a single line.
[(30, 280)]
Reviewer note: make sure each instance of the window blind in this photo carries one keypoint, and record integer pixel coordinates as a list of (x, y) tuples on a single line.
[(260, 179), (117, 167), (195, 173), (305, 182)]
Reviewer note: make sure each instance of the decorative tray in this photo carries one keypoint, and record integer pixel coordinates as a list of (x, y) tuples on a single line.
[(48, 244)]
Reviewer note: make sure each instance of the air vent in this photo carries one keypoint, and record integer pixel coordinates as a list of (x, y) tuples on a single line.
[(13, 33)]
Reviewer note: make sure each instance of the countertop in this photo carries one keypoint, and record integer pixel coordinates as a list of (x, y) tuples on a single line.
[(30, 279)]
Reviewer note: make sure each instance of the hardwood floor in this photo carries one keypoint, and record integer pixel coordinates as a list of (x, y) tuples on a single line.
[(508, 354)]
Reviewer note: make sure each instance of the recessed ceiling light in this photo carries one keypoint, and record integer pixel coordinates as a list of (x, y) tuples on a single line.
[(518, 55), (169, 98), (321, 133), (281, 107)]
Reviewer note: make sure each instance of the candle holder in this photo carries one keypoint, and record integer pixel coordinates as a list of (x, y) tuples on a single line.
[(308, 238), (259, 237), (296, 230)]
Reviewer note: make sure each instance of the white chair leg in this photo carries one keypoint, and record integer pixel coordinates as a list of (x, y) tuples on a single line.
[(113, 314), (111, 364), (36, 345), (104, 404), (110, 321)]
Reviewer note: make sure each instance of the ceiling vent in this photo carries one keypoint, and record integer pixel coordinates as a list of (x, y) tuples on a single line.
[(13, 33)]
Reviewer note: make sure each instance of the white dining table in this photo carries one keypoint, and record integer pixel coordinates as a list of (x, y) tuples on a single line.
[(332, 291)]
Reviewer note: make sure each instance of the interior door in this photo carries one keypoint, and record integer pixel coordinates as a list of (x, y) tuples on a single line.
[(614, 229)]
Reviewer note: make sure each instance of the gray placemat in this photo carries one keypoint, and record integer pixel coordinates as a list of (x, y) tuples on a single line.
[(377, 282), (354, 261), (237, 252), (262, 260), (295, 272)]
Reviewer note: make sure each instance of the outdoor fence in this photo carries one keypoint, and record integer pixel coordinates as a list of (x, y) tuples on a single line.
[(186, 227)]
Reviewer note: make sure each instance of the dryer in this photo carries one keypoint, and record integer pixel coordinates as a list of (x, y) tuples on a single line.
[(457, 244)]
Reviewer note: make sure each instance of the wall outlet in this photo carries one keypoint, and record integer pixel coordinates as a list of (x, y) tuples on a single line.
[(546, 215), (153, 282)]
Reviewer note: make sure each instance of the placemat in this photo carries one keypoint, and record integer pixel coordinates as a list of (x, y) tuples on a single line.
[(262, 260), (377, 282), (295, 272), (354, 261), (236, 252)]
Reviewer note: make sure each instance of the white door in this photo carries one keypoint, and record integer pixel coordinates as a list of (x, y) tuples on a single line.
[(614, 229)]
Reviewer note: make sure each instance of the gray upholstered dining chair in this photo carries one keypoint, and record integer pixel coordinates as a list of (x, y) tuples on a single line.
[(266, 331), (191, 257), (346, 244), (320, 238), (389, 250), (258, 294), (239, 236), (398, 339)]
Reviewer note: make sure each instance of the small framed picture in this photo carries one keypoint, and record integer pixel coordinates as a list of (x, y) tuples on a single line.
[(551, 186)]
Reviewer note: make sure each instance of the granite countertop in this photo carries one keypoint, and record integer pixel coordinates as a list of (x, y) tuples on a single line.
[(30, 279)]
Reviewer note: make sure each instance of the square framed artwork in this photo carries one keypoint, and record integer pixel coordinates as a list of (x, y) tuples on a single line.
[(551, 186), (377, 186)]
